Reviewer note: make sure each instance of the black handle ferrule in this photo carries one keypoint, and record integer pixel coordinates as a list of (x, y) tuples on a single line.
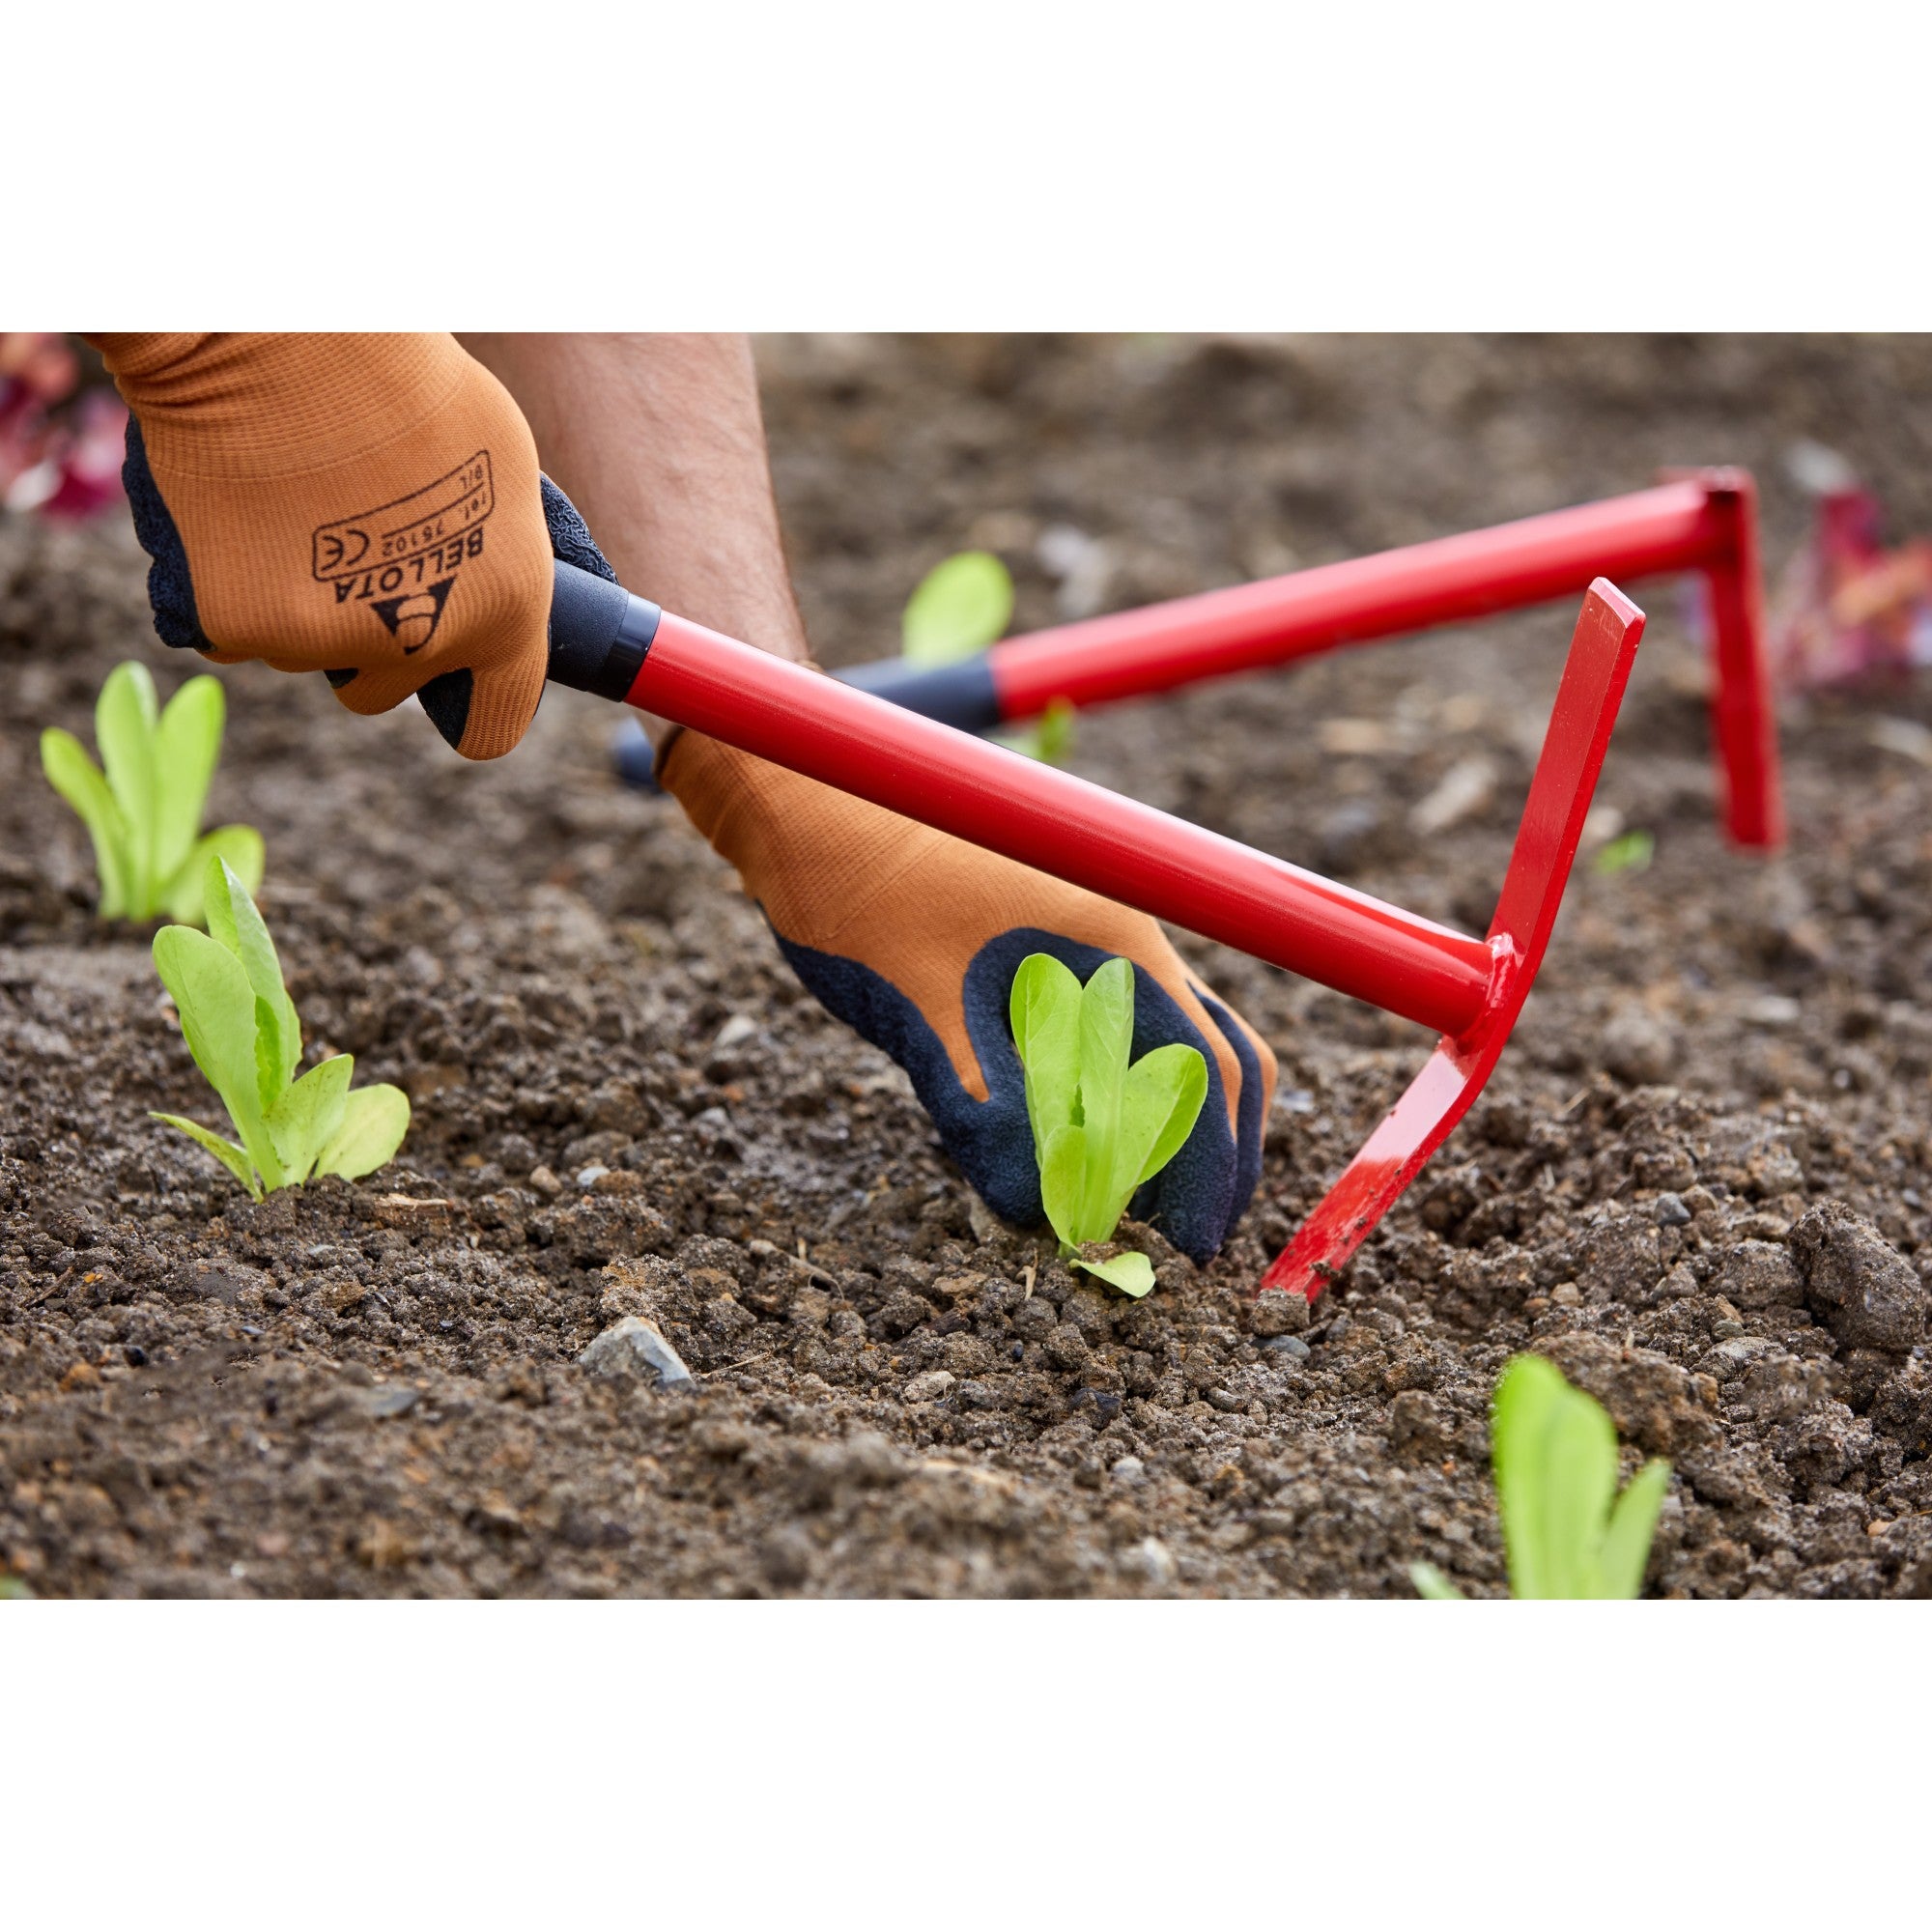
[(960, 695), (599, 634)]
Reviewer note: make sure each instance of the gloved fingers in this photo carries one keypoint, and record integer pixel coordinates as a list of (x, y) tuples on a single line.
[(485, 713), (377, 688), (1258, 1082), (989, 1140)]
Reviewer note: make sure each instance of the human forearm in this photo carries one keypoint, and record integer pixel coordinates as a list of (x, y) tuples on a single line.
[(659, 442)]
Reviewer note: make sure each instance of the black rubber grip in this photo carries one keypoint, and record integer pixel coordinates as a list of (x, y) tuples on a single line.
[(599, 634), (960, 695)]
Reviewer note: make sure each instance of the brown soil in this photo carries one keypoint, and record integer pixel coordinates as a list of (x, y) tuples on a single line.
[(1698, 1180)]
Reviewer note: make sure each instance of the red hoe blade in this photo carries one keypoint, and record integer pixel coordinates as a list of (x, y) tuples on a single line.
[(605, 641), (1601, 654)]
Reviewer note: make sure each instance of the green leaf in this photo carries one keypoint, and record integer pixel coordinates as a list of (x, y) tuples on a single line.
[(1054, 734), (1620, 1563), (234, 1158), (1556, 1455), (234, 922), (125, 717), (217, 1010), (1044, 1008), (374, 1121), (79, 780), (184, 896), (1431, 1583), (1632, 853), (186, 742), (310, 1114), (1159, 1105), (1131, 1274), (1106, 1045), (1062, 1166), (959, 609)]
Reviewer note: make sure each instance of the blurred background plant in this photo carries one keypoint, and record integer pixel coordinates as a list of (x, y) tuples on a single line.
[(961, 608), (62, 435)]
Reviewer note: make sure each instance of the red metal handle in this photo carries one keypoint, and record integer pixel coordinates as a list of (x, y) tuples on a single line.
[(1062, 825)]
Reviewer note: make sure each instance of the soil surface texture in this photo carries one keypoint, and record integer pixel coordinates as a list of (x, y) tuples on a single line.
[(1699, 1180)]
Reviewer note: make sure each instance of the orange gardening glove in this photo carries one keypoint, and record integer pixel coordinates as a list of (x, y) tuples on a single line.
[(913, 937), (365, 505)]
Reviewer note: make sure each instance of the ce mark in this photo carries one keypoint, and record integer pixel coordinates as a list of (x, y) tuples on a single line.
[(340, 550)]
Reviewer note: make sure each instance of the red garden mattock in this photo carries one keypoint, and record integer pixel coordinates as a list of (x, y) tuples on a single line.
[(893, 734)]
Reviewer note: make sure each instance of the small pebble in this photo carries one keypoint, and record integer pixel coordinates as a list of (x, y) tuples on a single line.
[(929, 1386), (1670, 1212), (1286, 1348), (1156, 1559), (587, 1177), (544, 1179), (735, 1031), (1128, 1469), (635, 1346)]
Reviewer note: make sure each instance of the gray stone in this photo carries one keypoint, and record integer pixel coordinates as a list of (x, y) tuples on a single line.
[(635, 1346), (1670, 1212), (1287, 1351), (1128, 1469)]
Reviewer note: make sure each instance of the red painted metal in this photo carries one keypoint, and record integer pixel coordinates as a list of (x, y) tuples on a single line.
[(1061, 824), (1706, 521), (1594, 675), (1470, 990)]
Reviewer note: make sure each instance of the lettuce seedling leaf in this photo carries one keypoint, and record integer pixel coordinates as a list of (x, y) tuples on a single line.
[(1431, 1583), (374, 1121), (143, 811), (242, 1029), (1162, 1099), (1555, 1455), (234, 1158), (1620, 1564), (186, 742), (1044, 1009), (1106, 1047), (960, 608), (1103, 1123), (79, 782), (217, 1011), (1132, 1273), (124, 717), (185, 897), (1062, 1174), (235, 924), (308, 1115)]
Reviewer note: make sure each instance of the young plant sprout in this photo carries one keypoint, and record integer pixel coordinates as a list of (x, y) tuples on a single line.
[(1101, 1126), (240, 1026), (1567, 1532), (144, 814), (962, 606)]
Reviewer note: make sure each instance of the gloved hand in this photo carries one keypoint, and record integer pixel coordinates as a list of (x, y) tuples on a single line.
[(913, 937), (365, 505)]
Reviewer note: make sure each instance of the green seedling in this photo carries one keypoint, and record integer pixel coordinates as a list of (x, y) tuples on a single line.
[(240, 1026), (144, 812), (962, 606), (1567, 1532), (1101, 1126), (1631, 853)]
